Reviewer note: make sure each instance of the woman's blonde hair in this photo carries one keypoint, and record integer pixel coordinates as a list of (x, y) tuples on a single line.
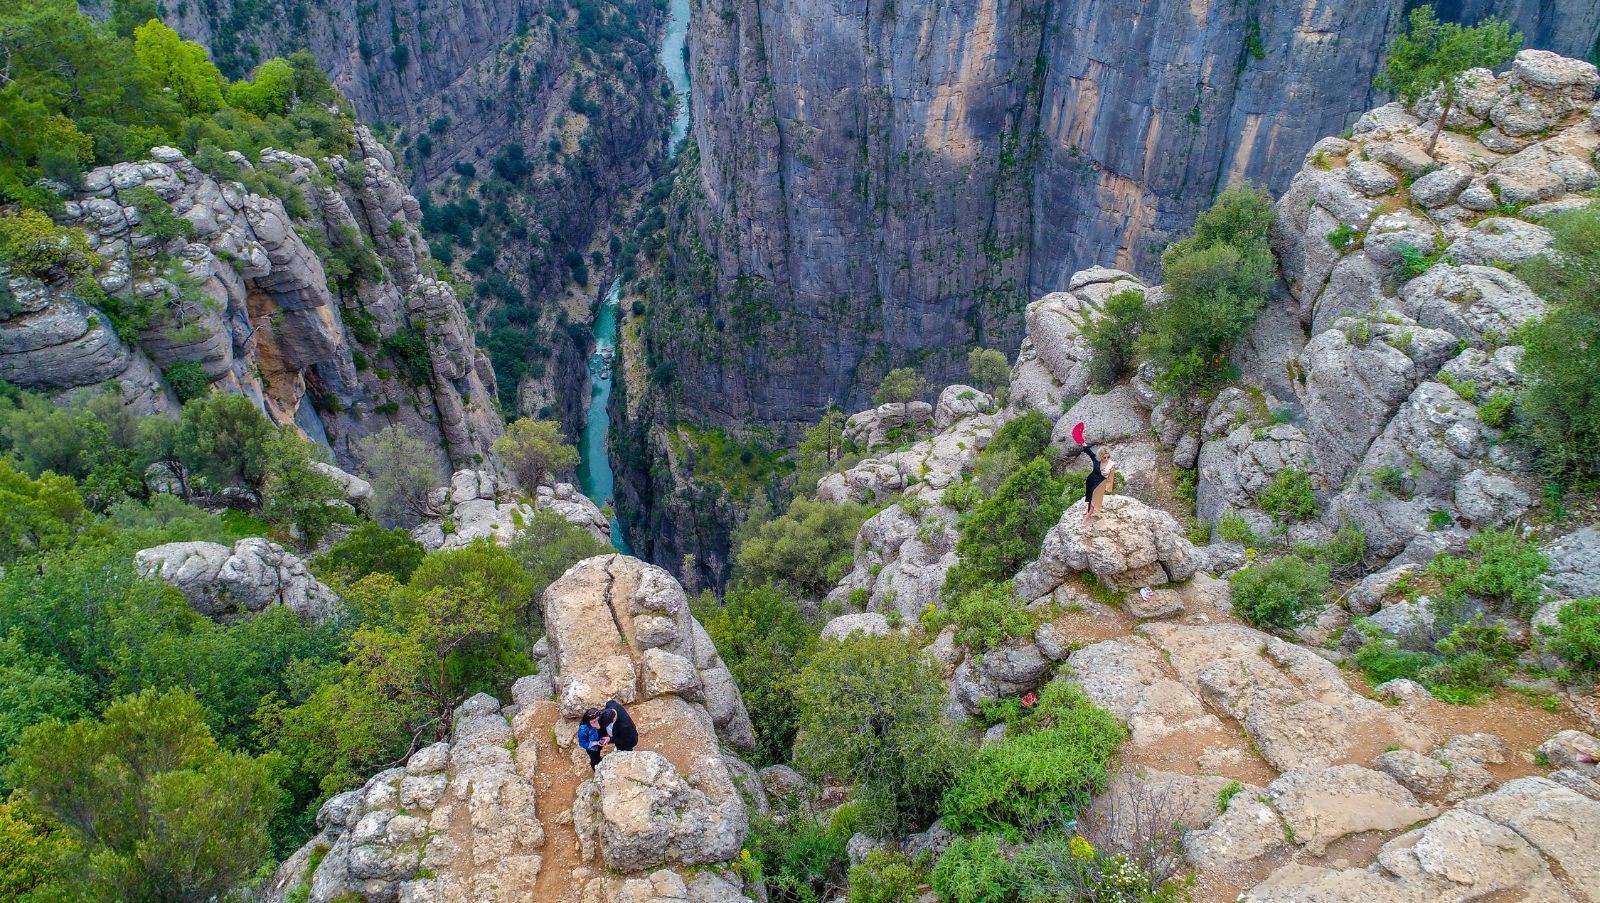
[(1105, 453)]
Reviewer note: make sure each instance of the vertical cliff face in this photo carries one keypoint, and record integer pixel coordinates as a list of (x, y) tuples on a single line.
[(890, 183), (539, 114)]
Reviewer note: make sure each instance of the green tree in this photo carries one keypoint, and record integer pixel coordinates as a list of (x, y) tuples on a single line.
[(900, 386), (548, 545), (1432, 56), (34, 856), (180, 66), (1560, 401), (296, 494), (370, 549), (35, 515), (1216, 281), (988, 369), (534, 449), (1114, 335), (1006, 530), (807, 550), (763, 639), (162, 811), (269, 93), (35, 688), (225, 439), (821, 449), (872, 714), (402, 470), (32, 245)]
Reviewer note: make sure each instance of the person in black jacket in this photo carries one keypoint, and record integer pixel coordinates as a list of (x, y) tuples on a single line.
[(610, 726), (1095, 486)]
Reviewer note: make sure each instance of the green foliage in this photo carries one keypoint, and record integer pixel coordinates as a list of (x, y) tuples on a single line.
[(821, 450), (295, 494), (1343, 237), (764, 640), (1560, 403), (534, 449), (408, 348), (984, 617), (871, 714), (1381, 662), (548, 545), (807, 550), (1025, 438), (1216, 281), (370, 549), (1495, 411), (1226, 795), (1414, 261), (972, 870), (885, 877), (35, 688), (1046, 768), (1061, 868), (32, 245), (402, 470), (1290, 498), (269, 93), (800, 857), (188, 380), (224, 439), (1114, 336), (900, 386), (34, 855), (1432, 56), (988, 369), (35, 515), (1279, 594), (158, 806), (1503, 569), (1233, 528), (1475, 658), (1576, 636), (1005, 531), (180, 67), (156, 218)]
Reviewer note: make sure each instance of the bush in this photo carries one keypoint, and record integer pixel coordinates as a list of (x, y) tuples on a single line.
[(1290, 498), (370, 549), (764, 640), (807, 550), (188, 380), (1495, 411), (972, 870), (1504, 569), (983, 617), (1279, 594), (1063, 868), (1576, 636), (1474, 659), (1114, 335), (156, 218), (1233, 528), (32, 245), (1046, 769), (1006, 531), (1560, 404), (798, 857), (871, 713), (885, 877), (1215, 280)]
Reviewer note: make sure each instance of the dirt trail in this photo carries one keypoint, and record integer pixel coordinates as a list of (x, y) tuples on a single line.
[(556, 781)]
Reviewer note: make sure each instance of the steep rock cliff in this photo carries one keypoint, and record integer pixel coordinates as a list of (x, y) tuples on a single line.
[(894, 182), (247, 297)]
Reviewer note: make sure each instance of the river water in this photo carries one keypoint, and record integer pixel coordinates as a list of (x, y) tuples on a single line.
[(595, 476)]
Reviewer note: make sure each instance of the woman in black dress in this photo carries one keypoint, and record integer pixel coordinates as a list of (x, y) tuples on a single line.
[(1094, 487)]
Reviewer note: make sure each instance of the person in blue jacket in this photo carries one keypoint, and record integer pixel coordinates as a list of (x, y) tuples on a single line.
[(610, 726)]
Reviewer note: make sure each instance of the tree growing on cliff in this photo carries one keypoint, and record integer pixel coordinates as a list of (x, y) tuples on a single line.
[(403, 470), (1432, 57), (534, 449), (988, 369), (900, 386)]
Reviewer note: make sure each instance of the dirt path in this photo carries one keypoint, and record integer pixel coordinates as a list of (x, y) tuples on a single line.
[(556, 780)]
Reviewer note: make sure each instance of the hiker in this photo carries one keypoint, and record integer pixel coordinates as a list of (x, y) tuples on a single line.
[(610, 726), (1094, 488)]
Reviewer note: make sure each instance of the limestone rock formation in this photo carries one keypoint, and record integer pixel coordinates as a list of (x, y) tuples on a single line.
[(248, 300), (1128, 545), (479, 505), (226, 584), (506, 809)]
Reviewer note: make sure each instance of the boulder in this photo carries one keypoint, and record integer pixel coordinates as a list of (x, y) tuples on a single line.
[(226, 584), (648, 816), (959, 402), (870, 623), (1574, 563), (870, 429), (1127, 545)]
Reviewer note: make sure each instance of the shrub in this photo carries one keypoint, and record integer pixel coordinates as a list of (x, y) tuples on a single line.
[(370, 549), (402, 470), (1115, 334), (871, 713), (984, 617), (761, 635), (1279, 594), (1048, 766), (1062, 868), (1233, 528), (1027, 437), (1392, 480), (1474, 658), (988, 369), (1342, 237), (1495, 411), (1005, 531), (188, 380), (1504, 569), (972, 870), (885, 877), (1216, 281), (156, 218), (1576, 636), (32, 245), (408, 348), (1290, 498), (807, 549), (799, 857), (1560, 404), (1381, 661)]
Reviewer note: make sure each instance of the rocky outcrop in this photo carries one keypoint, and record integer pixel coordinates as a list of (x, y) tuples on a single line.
[(1127, 545), (248, 301), (506, 808), (479, 505), (227, 584)]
